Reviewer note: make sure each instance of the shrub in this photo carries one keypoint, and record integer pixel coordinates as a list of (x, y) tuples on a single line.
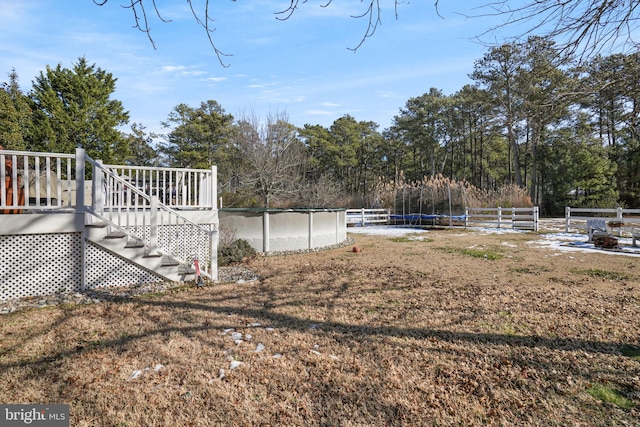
[(232, 250)]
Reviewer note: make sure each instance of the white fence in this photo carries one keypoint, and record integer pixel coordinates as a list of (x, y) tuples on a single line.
[(626, 222), (364, 216), (517, 218)]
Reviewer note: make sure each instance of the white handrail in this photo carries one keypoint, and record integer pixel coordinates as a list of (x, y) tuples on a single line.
[(132, 211)]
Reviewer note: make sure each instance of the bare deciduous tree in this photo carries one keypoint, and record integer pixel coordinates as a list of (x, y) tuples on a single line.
[(273, 156), (587, 26), (581, 27), (142, 9)]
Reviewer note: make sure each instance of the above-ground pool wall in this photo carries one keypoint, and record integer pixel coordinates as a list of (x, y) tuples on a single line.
[(275, 230)]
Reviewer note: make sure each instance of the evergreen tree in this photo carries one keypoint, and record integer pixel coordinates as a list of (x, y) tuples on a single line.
[(199, 137), (141, 151), (73, 108), (15, 115)]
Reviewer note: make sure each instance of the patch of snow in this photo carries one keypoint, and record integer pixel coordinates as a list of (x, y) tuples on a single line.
[(385, 230), (565, 242), (135, 374)]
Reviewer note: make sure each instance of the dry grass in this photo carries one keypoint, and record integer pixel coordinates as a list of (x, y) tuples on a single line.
[(402, 333)]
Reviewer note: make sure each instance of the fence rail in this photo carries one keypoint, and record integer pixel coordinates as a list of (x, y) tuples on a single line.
[(517, 218), (624, 221), (367, 216)]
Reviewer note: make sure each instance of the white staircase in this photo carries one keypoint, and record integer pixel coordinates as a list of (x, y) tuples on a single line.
[(138, 252), (133, 225)]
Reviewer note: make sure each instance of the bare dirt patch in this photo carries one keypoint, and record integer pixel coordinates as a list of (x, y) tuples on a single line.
[(456, 329)]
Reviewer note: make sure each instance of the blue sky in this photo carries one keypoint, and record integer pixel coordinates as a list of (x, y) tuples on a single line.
[(301, 66)]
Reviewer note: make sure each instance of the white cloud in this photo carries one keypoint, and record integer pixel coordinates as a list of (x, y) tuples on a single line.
[(173, 68), (388, 94), (192, 73), (319, 112), (215, 79)]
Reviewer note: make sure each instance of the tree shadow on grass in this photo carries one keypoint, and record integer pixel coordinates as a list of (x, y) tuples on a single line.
[(350, 331), (331, 400)]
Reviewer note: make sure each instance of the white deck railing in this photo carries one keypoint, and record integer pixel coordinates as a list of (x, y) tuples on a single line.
[(36, 181), (44, 181), (175, 187), (140, 202)]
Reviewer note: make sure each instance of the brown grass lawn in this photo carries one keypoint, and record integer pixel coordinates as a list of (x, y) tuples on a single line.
[(407, 332)]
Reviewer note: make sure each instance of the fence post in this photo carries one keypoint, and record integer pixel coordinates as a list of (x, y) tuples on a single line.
[(214, 187), (213, 251), (213, 234), (535, 218), (79, 180), (362, 213), (499, 216), (466, 216), (310, 229), (619, 214), (567, 216), (97, 201), (80, 210), (153, 225), (265, 232)]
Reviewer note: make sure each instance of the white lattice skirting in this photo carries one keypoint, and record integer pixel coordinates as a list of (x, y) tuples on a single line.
[(41, 264)]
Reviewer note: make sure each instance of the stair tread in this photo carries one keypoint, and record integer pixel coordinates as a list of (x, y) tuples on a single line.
[(135, 244), (115, 235)]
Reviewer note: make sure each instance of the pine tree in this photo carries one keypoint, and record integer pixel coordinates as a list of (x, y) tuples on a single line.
[(73, 108)]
